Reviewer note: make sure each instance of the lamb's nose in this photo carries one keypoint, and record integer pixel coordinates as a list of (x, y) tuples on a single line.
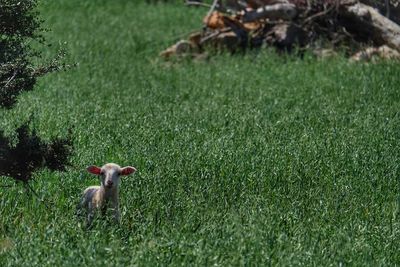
[(109, 183)]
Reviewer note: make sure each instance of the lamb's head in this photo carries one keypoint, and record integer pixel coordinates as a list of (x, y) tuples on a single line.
[(110, 174)]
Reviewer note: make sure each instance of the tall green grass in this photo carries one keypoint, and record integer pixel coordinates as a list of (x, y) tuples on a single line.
[(242, 160)]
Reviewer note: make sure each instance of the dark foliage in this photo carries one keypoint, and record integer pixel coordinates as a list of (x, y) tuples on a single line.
[(20, 29), (31, 153)]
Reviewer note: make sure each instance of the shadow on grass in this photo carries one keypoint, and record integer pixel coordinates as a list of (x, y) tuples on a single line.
[(31, 153)]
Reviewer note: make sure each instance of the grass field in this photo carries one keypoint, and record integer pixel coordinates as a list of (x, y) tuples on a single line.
[(242, 160)]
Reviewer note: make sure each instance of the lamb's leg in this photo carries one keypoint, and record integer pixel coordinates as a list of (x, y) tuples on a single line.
[(80, 207), (116, 213), (103, 210), (90, 215)]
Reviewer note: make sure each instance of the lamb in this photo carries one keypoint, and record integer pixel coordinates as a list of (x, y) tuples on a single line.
[(100, 197)]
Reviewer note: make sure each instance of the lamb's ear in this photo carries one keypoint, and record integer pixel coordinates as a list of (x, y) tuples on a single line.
[(127, 170), (94, 169)]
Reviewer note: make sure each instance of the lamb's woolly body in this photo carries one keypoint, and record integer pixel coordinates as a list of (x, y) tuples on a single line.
[(98, 198)]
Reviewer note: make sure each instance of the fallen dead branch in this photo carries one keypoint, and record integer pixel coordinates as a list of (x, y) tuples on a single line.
[(370, 22), (195, 3), (273, 12)]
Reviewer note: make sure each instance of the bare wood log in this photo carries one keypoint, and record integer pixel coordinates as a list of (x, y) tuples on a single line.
[(273, 12), (367, 19)]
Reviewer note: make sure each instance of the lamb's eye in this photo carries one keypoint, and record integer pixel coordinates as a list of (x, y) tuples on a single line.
[(102, 173)]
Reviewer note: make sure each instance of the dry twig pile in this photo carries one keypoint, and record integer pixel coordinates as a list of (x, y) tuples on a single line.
[(363, 29)]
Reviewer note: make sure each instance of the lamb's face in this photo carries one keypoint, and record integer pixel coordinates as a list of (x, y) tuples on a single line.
[(110, 174)]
